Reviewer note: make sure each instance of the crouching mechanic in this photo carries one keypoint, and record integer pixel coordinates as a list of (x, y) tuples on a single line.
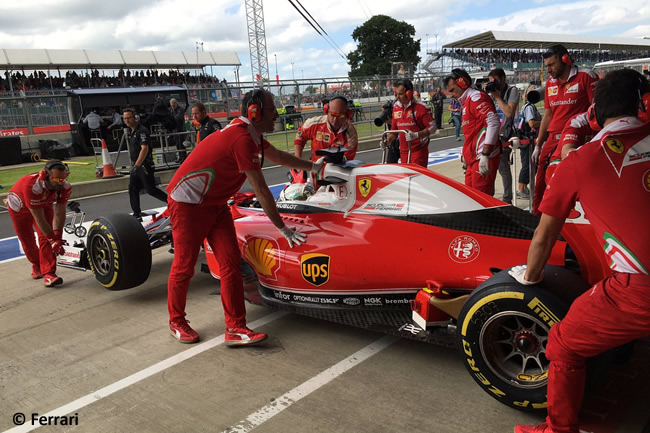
[(617, 309), (198, 193), (415, 117), (481, 149), (30, 206), (333, 129)]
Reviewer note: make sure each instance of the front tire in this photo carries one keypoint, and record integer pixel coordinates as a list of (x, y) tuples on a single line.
[(118, 251), (503, 330)]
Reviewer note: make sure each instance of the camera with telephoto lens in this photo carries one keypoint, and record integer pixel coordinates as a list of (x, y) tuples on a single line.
[(492, 86), (386, 114)]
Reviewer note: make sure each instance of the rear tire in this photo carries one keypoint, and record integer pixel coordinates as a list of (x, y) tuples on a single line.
[(118, 251), (502, 332)]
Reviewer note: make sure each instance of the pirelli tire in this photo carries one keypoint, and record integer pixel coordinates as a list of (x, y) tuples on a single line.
[(119, 254), (503, 330)]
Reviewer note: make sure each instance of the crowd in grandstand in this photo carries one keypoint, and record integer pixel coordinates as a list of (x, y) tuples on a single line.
[(525, 56), (38, 80)]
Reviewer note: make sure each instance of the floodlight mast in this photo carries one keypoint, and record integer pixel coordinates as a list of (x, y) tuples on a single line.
[(257, 42)]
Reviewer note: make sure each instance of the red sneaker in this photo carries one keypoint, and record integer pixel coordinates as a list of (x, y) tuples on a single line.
[(243, 336), (36, 272), (52, 280), (542, 428), (183, 331)]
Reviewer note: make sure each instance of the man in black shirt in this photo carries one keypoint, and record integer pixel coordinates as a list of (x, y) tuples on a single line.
[(207, 124), (142, 165), (438, 100), (179, 117)]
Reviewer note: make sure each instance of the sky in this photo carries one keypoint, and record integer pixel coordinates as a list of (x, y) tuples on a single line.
[(175, 25)]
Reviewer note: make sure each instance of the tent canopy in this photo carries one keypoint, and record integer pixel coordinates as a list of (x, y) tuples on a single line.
[(105, 59), (536, 41)]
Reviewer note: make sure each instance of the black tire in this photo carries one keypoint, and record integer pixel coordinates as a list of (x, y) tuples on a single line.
[(118, 252), (503, 330)]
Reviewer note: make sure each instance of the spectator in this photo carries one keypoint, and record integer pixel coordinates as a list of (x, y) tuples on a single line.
[(333, 129), (93, 121), (142, 166), (438, 99), (506, 100), (530, 120), (198, 211), (206, 124), (178, 114), (481, 151), (569, 91), (456, 112), (615, 310), (414, 117), (30, 207), (116, 119)]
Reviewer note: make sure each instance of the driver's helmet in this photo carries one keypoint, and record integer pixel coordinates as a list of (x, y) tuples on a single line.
[(297, 191)]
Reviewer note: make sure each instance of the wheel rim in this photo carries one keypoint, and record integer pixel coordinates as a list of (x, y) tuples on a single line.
[(100, 255), (514, 346)]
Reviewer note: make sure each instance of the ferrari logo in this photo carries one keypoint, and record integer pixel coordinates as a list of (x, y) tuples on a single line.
[(646, 180), (315, 268), (615, 145), (365, 184)]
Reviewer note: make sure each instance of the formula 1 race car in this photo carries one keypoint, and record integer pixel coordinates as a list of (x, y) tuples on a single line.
[(398, 249)]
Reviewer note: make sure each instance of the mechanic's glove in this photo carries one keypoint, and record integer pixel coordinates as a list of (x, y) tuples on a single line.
[(410, 136), (57, 234), (484, 165), (518, 272), (56, 243), (292, 236), (535, 156), (317, 166)]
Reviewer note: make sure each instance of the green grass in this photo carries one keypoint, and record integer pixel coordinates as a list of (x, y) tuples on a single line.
[(78, 172)]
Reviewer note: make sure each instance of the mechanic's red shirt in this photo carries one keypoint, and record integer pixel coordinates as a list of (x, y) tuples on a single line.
[(480, 123), (610, 176), (576, 132), (569, 98), (415, 117), (31, 193), (214, 171), (318, 130)]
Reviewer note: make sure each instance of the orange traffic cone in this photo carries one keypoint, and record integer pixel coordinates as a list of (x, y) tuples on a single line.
[(109, 170)]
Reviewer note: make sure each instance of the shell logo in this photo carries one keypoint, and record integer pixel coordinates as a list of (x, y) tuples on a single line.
[(262, 254)]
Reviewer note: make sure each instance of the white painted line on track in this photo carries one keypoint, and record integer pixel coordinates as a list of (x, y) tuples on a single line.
[(140, 375), (285, 401)]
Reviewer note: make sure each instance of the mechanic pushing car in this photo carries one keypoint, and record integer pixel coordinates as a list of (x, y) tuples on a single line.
[(415, 117), (198, 193), (616, 165), (481, 149), (30, 206)]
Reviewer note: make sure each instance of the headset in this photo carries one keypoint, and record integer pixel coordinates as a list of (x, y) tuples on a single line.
[(561, 52), (463, 80), (255, 106), (407, 85), (44, 174), (348, 114), (643, 111)]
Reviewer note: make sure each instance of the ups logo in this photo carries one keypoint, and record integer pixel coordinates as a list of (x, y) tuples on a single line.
[(315, 268)]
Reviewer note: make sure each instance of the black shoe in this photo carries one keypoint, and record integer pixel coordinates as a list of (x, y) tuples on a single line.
[(138, 217)]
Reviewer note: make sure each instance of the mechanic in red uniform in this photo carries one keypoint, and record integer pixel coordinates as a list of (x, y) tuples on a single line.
[(333, 129), (615, 311), (30, 206), (569, 91), (415, 117), (481, 124), (198, 193)]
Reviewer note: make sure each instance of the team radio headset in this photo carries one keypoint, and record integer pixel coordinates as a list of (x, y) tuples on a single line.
[(46, 173), (643, 113), (408, 85), (254, 109), (348, 114)]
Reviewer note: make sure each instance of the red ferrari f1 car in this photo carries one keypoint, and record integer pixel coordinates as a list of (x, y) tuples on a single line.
[(398, 249)]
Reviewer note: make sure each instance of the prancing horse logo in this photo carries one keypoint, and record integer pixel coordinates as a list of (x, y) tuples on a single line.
[(364, 186)]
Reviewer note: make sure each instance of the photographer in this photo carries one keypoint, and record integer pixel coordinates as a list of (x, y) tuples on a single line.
[(386, 117), (414, 117), (529, 122), (506, 101)]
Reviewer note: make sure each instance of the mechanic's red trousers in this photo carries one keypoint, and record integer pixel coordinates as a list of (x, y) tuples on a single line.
[(482, 183), (419, 156), (540, 178), (613, 312), (190, 225), (40, 255)]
